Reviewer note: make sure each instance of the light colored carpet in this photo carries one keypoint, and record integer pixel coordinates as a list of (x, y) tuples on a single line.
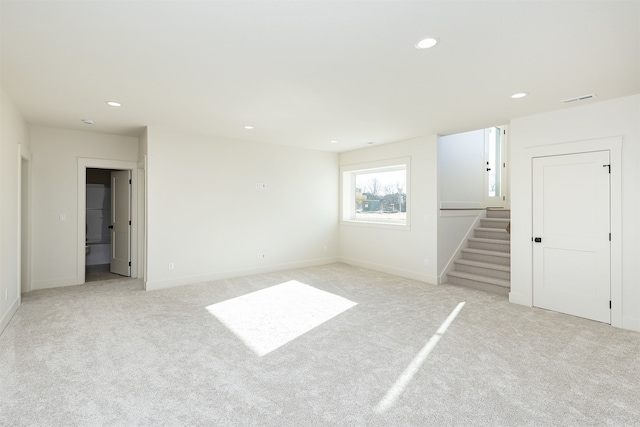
[(109, 353)]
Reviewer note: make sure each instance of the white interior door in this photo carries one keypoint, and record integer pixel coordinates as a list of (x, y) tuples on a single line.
[(571, 260), (121, 222), (495, 177)]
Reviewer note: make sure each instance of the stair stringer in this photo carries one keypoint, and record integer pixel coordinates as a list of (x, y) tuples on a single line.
[(464, 244)]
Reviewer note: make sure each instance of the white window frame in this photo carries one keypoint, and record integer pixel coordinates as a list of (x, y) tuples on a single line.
[(347, 192)]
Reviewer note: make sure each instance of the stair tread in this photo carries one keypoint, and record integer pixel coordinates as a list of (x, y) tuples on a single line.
[(480, 278), (499, 214), (486, 240), (486, 252), (483, 264), (495, 223), (495, 230)]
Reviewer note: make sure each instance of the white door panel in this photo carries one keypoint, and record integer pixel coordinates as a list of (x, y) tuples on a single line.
[(495, 177), (121, 222), (571, 263)]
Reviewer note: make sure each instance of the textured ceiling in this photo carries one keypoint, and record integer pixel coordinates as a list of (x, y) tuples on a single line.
[(304, 73)]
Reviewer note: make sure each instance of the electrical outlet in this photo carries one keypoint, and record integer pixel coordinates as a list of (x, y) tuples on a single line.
[(262, 256), (171, 266), (426, 262)]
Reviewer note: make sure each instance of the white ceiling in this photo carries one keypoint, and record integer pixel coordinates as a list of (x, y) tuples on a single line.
[(306, 72)]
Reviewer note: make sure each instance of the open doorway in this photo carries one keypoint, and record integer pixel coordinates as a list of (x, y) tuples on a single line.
[(107, 195), (108, 222)]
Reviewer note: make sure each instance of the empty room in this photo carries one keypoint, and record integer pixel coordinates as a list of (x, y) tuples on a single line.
[(299, 213)]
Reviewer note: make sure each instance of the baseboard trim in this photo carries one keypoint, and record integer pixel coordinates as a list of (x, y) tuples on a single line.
[(9, 315), (432, 280), (151, 285), (631, 324), (55, 283), (521, 299)]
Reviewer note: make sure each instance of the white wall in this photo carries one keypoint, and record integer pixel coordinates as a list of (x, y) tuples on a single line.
[(55, 191), (395, 251), (13, 135), (206, 216), (619, 117), (142, 144), (461, 170)]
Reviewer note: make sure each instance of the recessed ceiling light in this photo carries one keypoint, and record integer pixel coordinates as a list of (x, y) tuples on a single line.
[(519, 95), (334, 141), (370, 143), (87, 121), (427, 43), (248, 127), (114, 104)]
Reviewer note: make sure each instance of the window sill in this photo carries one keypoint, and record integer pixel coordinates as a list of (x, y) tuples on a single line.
[(376, 224)]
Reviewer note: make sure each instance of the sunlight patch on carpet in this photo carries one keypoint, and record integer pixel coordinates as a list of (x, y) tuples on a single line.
[(270, 318), (405, 378)]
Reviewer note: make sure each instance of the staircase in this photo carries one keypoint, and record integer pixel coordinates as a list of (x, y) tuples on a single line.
[(486, 262)]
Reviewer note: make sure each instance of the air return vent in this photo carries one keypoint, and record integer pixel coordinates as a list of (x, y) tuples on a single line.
[(579, 98)]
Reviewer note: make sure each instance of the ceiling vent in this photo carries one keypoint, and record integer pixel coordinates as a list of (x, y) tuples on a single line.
[(579, 98)]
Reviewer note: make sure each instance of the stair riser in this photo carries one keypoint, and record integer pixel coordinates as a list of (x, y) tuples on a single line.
[(496, 235), (497, 274), (499, 225), (498, 214), (486, 258), (490, 246), (478, 285)]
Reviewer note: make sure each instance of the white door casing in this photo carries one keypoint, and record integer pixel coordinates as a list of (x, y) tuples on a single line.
[(571, 217), (121, 222), (83, 164)]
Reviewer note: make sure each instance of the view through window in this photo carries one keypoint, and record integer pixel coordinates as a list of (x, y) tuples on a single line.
[(380, 195)]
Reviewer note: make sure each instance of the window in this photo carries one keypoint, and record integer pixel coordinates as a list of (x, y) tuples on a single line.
[(376, 193)]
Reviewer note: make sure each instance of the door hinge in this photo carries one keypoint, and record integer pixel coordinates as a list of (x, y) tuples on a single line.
[(129, 181), (609, 236), (609, 305), (129, 263), (607, 166), (129, 222)]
